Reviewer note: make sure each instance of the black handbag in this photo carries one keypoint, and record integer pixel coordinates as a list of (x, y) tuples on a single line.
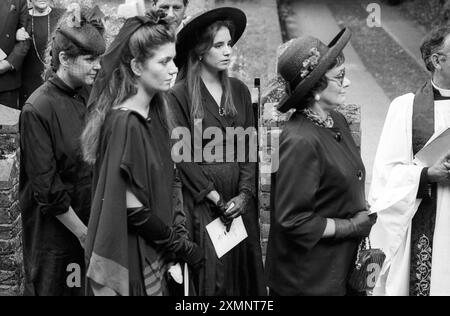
[(368, 265)]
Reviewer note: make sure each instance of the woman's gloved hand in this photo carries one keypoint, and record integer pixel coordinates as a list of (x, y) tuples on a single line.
[(220, 209), (240, 205), (187, 251), (358, 226), (153, 230)]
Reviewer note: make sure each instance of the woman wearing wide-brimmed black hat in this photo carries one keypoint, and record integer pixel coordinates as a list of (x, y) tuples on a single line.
[(319, 211), (205, 98)]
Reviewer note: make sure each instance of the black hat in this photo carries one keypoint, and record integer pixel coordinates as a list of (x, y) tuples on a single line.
[(85, 29), (304, 62), (189, 35)]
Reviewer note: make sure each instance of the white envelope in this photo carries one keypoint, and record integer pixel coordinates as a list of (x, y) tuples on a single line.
[(224, 241), (2, 55)]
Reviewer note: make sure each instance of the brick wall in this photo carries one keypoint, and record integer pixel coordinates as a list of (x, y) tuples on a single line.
[(10, 222)]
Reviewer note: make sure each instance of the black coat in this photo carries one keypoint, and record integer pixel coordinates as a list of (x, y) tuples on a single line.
[(320, 176), (13, 16), (53, 177)]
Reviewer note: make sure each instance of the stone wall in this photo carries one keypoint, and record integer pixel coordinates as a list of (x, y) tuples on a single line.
[(10, 222)]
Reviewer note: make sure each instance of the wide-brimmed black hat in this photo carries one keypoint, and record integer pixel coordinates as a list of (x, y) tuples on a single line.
[(304, 62), (188, 37)]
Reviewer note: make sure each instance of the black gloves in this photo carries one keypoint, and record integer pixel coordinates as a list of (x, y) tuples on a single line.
[(155, 231), (183, 248), (240, 204), (356, 227), (219, 209), (237, 205)]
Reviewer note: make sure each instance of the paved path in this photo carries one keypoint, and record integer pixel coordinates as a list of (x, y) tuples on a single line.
[(315, 18), (407, 34)]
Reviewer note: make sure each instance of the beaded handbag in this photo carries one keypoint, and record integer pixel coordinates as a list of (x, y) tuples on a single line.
[(368, 265)]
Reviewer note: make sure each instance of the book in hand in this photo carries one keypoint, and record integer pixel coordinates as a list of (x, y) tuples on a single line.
[(435, 149), (2, 55)]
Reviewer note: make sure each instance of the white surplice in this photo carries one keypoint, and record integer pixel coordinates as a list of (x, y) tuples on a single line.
[(393, 194)]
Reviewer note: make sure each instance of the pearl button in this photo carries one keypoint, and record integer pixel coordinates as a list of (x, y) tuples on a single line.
[(7, 35), (338, 137)]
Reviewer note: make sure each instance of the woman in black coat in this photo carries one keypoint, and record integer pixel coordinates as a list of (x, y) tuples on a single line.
[(319, 211), (218, 183), (55, 183)]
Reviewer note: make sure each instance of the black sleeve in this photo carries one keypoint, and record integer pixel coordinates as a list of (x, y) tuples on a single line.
[(297, 182), (247, 172), (133, 160), (192, 176), (179, 218), (40, 165), (20, 49)]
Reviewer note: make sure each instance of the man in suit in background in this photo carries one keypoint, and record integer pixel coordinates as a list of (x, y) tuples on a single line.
[(175, 10), (13, 17)]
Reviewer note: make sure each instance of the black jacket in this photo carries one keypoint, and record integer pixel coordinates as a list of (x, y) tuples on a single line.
[(320, 176), (13, 16)]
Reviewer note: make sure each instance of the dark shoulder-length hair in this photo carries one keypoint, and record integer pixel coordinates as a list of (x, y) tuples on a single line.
[(123, 84), (192, 69)]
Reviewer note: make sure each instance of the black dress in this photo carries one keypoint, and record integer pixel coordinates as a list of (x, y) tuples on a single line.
[(38, 27), (239, 272), (53, 177), (320, 175)]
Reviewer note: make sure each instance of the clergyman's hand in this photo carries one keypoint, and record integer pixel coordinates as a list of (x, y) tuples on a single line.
[(440, 171)]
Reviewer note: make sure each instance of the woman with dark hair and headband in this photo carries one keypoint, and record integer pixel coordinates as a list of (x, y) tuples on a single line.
[(55, 182), (131, 237), (223, 184)]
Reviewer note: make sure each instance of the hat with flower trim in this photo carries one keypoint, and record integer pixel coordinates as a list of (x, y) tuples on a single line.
[(303, 62)]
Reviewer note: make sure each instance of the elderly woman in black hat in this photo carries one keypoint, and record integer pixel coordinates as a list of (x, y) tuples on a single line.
[(219, 186), (319, 214), (55, 183)]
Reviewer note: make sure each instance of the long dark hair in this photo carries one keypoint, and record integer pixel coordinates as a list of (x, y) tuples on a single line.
[(122, 85), (191, 71)]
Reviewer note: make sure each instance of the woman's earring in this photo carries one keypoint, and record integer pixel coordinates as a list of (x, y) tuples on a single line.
[(317, 97), (200, 58)]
